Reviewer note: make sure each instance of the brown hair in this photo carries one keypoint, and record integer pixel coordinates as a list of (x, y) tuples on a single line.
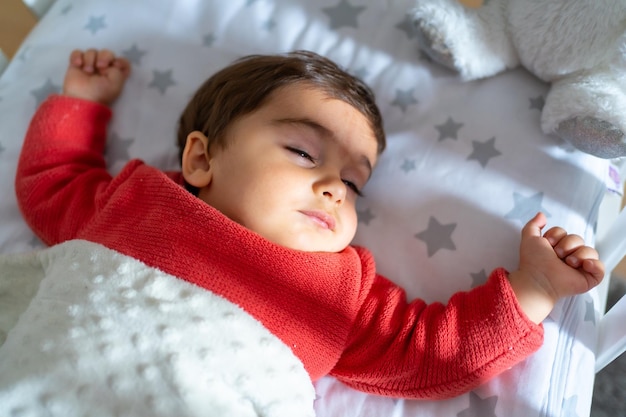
[(242, 87)]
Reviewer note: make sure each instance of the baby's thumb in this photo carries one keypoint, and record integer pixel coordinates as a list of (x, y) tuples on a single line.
[(534, 226)]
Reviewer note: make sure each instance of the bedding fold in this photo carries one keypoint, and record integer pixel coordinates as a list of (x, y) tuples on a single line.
[(105, 335)]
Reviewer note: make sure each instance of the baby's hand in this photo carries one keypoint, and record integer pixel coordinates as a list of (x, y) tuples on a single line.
[(552, 266), (96, 75)]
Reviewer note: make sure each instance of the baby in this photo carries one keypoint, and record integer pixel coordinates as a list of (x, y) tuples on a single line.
[(275, 151)]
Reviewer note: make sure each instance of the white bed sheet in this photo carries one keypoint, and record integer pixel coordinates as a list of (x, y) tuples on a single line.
[(466, 163)]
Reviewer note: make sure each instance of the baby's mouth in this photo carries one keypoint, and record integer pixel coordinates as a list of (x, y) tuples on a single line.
[(321, 218)]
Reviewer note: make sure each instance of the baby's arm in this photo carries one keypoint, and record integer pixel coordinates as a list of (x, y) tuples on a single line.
[(61, 170), (551, 267), (95, 75)]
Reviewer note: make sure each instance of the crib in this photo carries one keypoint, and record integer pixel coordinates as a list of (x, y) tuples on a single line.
[(466, 167)]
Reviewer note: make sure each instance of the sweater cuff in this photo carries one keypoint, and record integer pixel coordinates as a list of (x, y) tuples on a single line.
[(84, 120), (500, 279)]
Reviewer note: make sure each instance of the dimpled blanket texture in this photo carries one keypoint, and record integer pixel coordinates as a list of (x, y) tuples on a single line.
[(466, 166), (105, 335)]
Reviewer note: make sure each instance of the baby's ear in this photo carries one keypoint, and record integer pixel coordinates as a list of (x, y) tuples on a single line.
[(196, 160)]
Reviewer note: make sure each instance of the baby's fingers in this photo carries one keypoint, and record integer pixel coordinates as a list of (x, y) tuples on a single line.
[(89, 60), (567, 245), (595, 269), (123, 65), (554, 235), (104, 58), (577, 257)]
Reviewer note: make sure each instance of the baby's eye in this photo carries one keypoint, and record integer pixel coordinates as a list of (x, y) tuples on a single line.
[(353, 187), (301, 153)]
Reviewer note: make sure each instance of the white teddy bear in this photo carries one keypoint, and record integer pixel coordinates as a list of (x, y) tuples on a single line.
[(579, 46)]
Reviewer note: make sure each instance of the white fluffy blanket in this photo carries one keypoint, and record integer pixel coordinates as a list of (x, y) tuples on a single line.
[(87, 331)]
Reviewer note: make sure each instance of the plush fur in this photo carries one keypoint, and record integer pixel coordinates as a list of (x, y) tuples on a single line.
[(578, 46)]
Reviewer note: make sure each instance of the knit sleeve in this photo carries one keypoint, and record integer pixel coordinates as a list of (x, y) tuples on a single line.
[(436, 351), (61, 168)]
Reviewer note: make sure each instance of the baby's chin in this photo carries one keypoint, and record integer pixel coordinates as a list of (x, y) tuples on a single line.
[(306, 245)]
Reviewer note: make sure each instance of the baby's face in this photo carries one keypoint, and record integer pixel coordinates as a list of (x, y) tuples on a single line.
[(292, 170)]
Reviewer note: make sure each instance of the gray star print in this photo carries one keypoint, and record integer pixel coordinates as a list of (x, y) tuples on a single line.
[(361, 73), (343, 14), (269, 25), (134, 54), (483, 152), (95, 24), (449, 129), (44, 91), (162, 80), (2, 148), (209, 39), (569, 406), (365, 216), (437, 236), (66, 9), (117, 148), (480, 407), (526, 207), (35, 242), (406, 26), (404, 98), (537, 103), (24, 53), (408, 165), (590, 312), (478, 278)]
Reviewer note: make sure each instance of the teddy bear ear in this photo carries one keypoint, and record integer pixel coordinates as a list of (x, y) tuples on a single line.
[(472, 3)]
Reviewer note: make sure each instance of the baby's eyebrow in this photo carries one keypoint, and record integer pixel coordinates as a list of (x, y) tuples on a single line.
[(312, 124)]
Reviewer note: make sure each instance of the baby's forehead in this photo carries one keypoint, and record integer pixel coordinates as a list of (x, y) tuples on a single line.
[(301, 89)]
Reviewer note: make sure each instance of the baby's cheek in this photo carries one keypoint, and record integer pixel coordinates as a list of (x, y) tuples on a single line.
[(351, 221)]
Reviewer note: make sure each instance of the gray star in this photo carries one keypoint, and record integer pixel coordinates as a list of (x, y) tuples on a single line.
[(134, 54), (449, 129), (404, 98), (437, 236), (480, 407), (24, 53), (269, 25), (361, 73), (117, 148), (407, 26), (35, 242), (537, 103), (343, 15), (479, 278), (66, 9), (44, 91), (590, 312), (95, 24), (2, 148), (525, 208), (250, 2), (162, 80), (365, 216), (483, 152), (423, 56), (408, 165), (569, 406), (209, 39)]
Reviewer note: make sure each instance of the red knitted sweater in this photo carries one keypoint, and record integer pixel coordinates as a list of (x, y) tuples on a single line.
[(332, 309)]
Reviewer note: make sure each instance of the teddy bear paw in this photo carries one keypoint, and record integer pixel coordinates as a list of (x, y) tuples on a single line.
[(594, 136), (433, 44)]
